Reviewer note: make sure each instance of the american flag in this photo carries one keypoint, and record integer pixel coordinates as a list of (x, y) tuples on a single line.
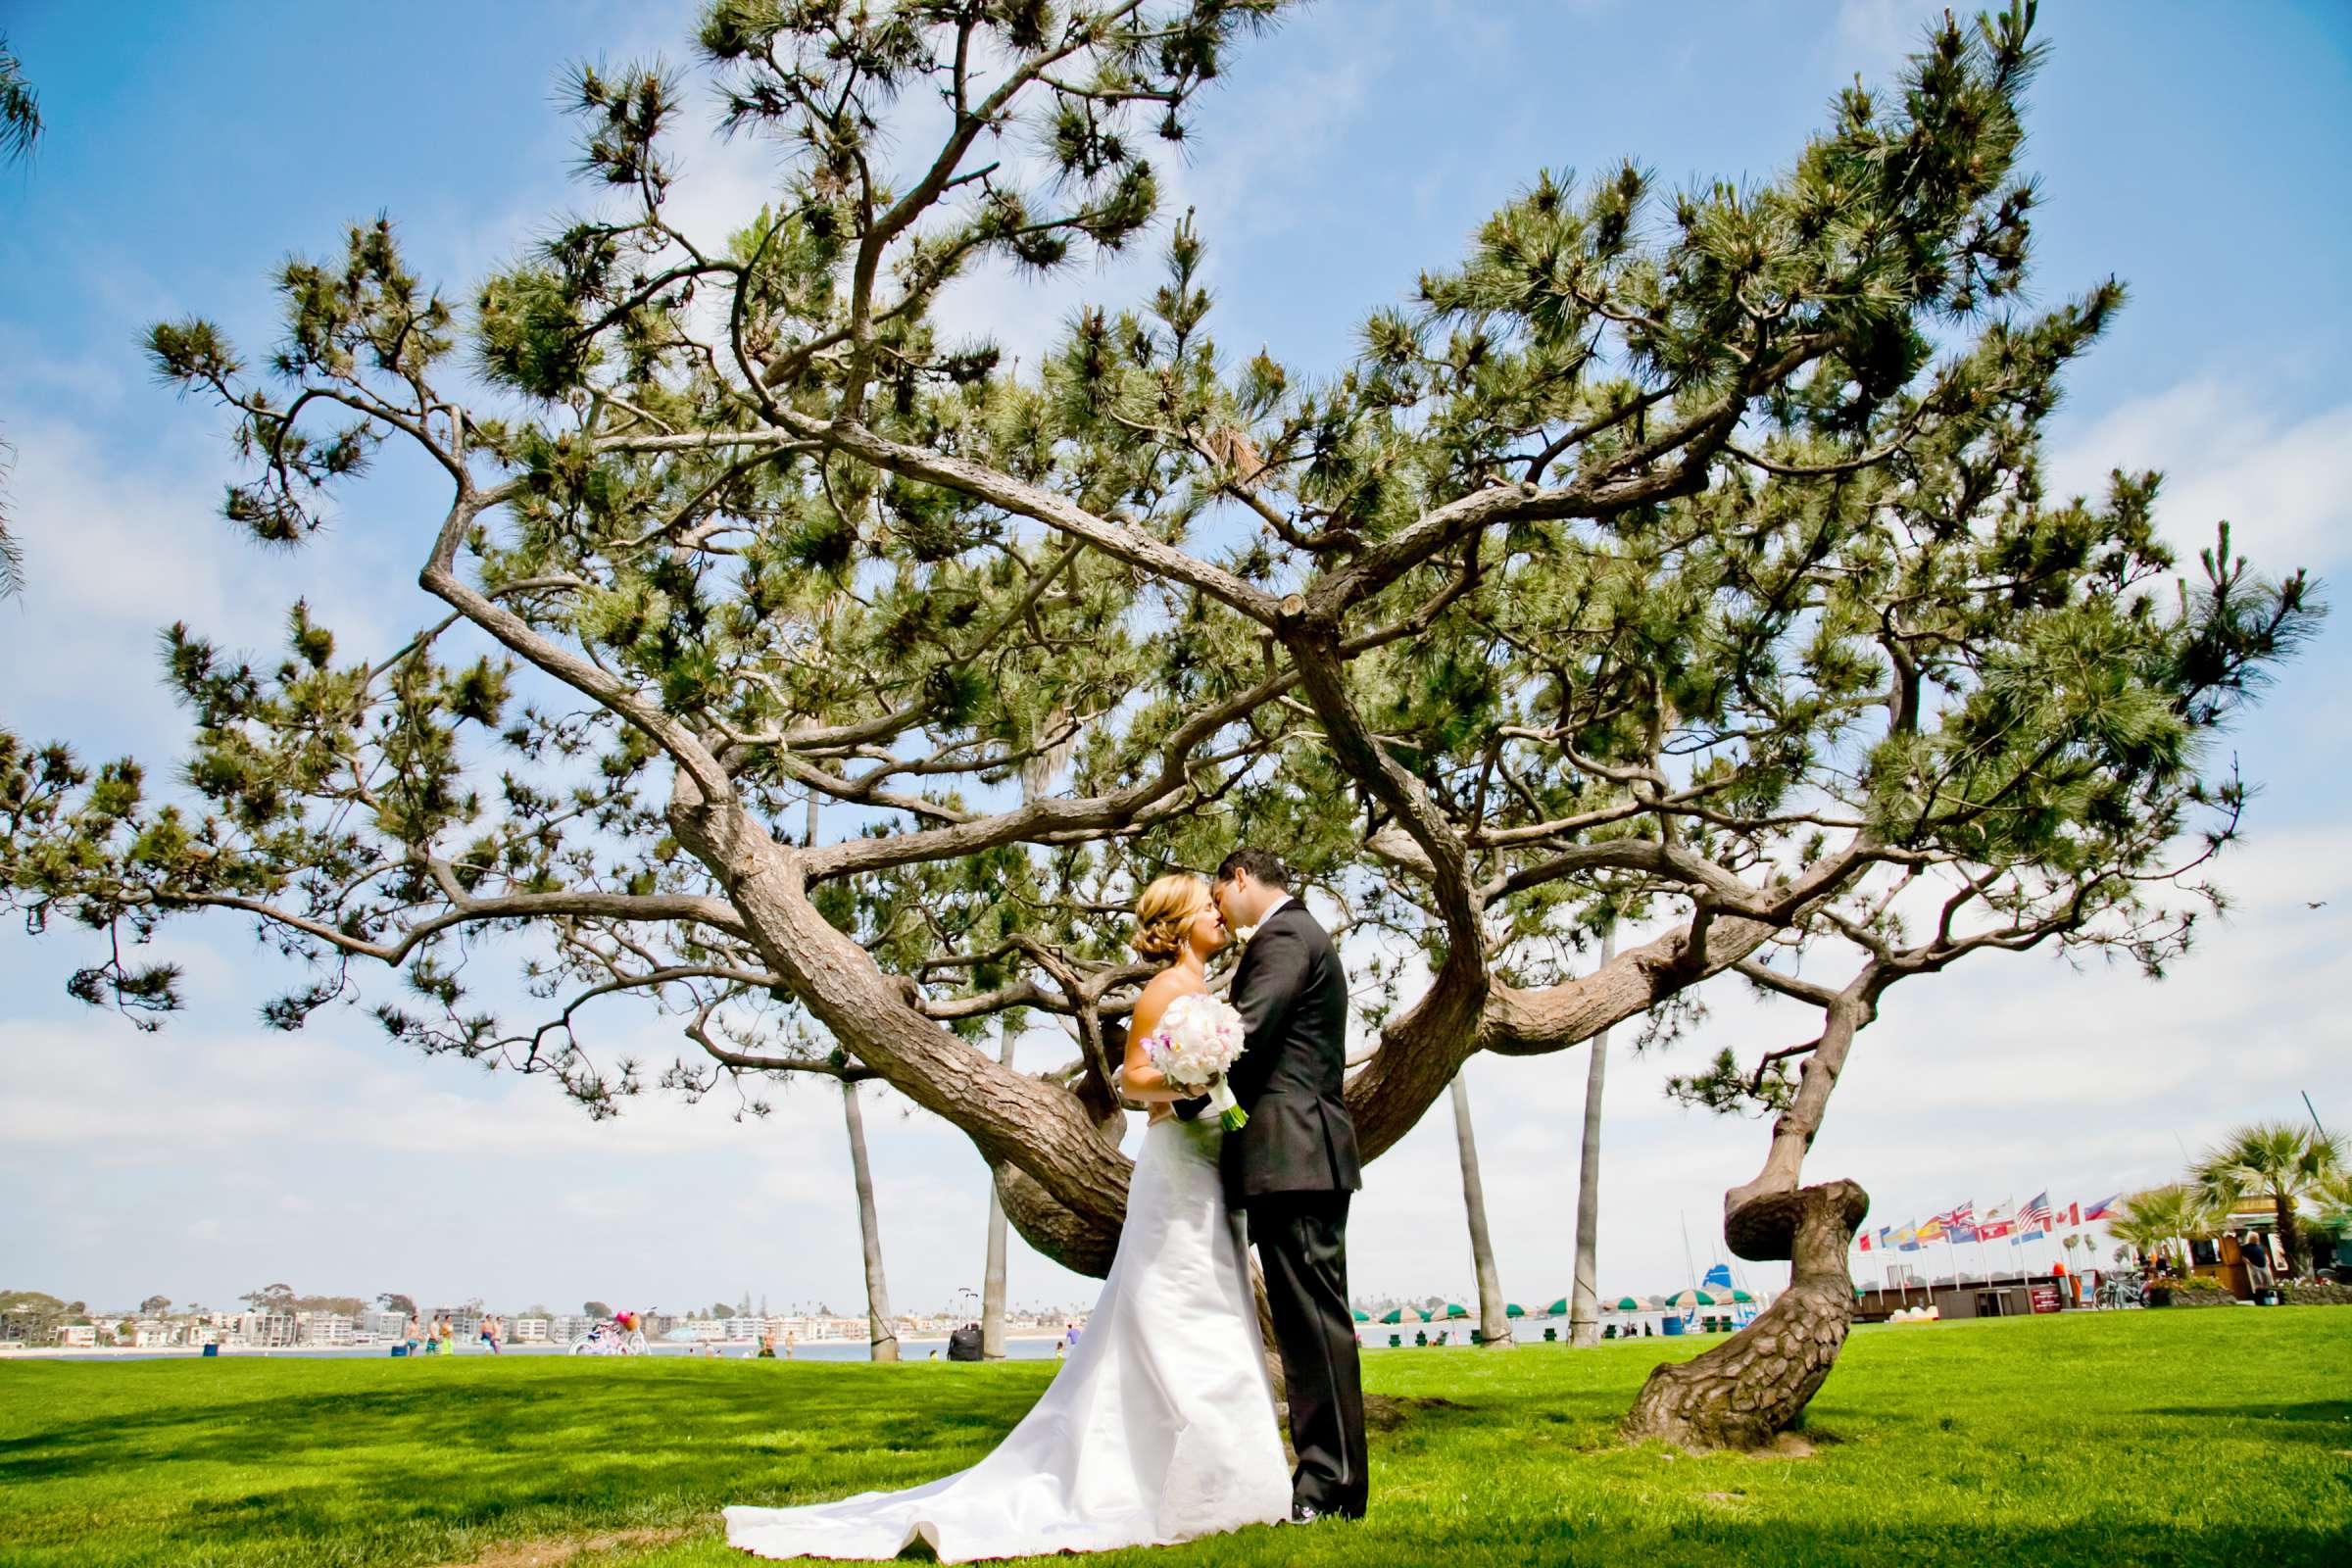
[(2037, 1215)]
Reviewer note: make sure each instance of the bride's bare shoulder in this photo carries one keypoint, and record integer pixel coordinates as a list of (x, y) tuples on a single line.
[(1172, 982), (1161, 990)]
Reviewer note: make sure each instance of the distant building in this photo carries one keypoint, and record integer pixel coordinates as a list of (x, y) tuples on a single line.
[(570, 1328), (2006, 1297), (383, 1325), (265, 1330), (464, 1322), (77, 1335), (528, 1330), (324, 1328)]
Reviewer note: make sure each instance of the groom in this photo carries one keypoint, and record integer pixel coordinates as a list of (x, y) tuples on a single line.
[(1291, 1166)]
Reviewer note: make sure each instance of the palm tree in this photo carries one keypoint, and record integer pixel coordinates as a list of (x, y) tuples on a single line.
[(1583, 1307), (2278, 1160), (2159, 1220), (883, 1338), (1493, 1325), (992, 1281)]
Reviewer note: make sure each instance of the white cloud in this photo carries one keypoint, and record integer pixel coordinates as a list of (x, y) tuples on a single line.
[(1873, 37), (2284, 480)]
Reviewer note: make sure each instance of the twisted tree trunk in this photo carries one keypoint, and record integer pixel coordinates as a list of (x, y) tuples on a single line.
[(1755, 1384)]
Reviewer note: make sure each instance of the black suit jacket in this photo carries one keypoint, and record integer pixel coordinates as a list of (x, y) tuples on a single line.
[(1293, 999)]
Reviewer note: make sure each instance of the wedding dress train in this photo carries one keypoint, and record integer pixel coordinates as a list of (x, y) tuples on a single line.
[(1160, 1427)]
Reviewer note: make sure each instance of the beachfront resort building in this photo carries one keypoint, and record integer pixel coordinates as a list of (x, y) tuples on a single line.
[(528, 1330), (325, 1328), (264, 1330)]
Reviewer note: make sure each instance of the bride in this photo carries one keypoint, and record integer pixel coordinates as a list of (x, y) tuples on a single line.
[(1160, 1425)]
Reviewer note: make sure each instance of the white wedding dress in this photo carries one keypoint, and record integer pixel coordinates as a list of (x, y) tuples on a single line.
[(1158, 1427)]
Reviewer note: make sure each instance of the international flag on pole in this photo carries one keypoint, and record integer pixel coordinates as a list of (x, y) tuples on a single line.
[(1906, 1239), (1998, 1221), (1931, 1229), (1962, 1222), (2104, 1209), (1865, 1240), (2074, 1216), (2035, 1218)]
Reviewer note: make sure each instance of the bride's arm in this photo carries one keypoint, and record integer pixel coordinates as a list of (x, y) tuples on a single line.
[(1139, 1080)]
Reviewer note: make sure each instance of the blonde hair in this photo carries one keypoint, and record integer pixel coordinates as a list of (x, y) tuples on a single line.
[(1168, 906)]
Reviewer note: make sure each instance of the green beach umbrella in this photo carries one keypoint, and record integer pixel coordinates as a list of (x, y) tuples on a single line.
[(1558, 1308), (1363, 1317), (1424, 1315), (1454, 1309), (1742, 1296), (1632, 1304), (1514, 1309), (1691, 1299), (1394, 1314)]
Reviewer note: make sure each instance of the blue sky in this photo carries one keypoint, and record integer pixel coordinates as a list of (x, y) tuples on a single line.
[(2194, 151)]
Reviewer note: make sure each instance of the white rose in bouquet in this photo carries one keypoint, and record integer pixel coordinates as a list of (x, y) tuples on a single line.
[(1196, 1045)]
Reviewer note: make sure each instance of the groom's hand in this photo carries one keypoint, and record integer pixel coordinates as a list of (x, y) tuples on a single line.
[(1187, 1109)]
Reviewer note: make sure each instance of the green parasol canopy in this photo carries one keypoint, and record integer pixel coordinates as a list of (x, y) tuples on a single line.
[(1514, 1309), (1691, 1299), (1363, 1317), (1454, 1309), (1742, 1296), (1632, 1304), (1558, 1308), (1394, 1314)]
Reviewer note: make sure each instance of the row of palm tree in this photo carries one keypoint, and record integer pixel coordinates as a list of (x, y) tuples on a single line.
[(2281, 1163)]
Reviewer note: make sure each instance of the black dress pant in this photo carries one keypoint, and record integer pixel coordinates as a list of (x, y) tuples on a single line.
[(1302, 1241)]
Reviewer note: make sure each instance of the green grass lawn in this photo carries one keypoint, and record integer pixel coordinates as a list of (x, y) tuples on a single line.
[(2215, 1437)]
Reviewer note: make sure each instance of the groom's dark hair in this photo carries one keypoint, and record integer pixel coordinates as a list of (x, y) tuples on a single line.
[(1262, 865)]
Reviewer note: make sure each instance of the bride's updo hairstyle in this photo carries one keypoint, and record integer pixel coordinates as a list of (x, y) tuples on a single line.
[(1168, 906)]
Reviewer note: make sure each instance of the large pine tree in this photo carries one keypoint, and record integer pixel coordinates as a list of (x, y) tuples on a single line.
[(1686, 552)]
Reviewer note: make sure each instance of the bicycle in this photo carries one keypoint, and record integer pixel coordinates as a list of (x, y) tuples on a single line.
[(618, 1335), (2123, 1290)]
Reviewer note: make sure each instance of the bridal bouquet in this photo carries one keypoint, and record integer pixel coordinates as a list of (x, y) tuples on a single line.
[(1195, 1045)]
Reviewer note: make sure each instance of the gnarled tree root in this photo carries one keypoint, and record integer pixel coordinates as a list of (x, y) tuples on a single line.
[(1747, 1390)]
